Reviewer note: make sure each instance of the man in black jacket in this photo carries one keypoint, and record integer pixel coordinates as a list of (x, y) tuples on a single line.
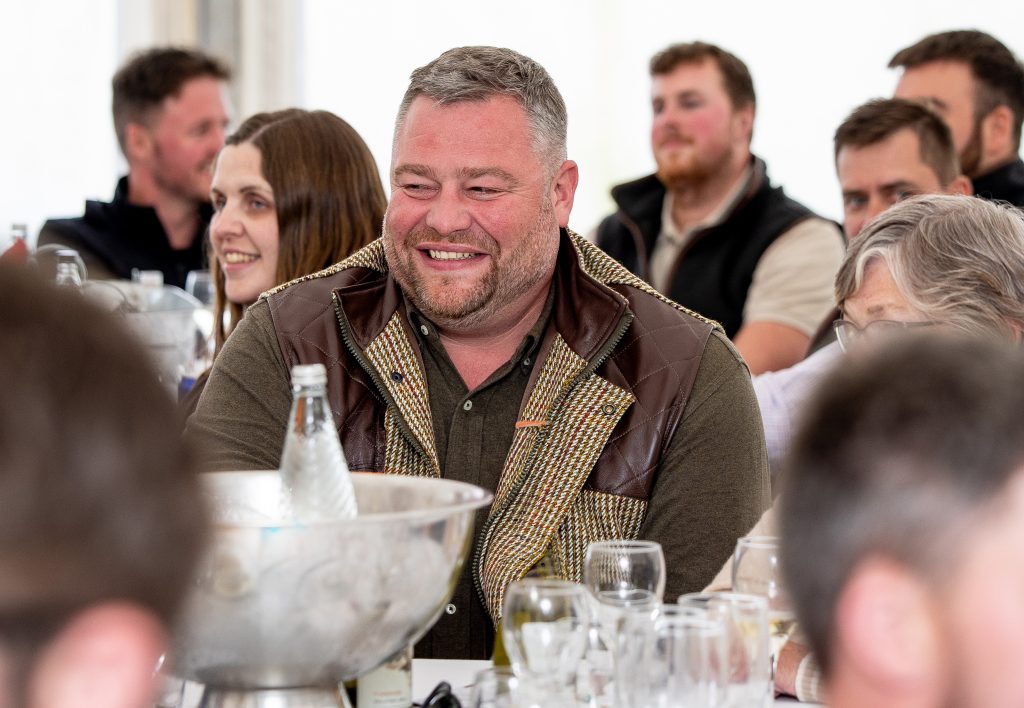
[(170, 115), (709, 230), (976, 84)]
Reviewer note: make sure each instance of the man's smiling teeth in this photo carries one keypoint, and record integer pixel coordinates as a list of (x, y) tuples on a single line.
[(449, 255), (236, 257)]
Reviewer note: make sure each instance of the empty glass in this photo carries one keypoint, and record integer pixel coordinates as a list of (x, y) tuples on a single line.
[(544, 626), (497, 687), (756, 571), (171, 689), (199, 284), (748, 650), (613, 570), (675, 658), (622, 576)]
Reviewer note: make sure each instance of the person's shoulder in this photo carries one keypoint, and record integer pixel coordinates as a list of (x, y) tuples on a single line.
[(648, 186), (650, 309), (63, 231), (366, 264), (94, 227)]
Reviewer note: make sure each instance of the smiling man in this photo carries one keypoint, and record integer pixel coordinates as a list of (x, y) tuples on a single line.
[(482, 340), (170, 115), (708, 229)]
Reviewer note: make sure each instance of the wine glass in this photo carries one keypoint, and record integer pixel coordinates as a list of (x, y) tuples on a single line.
[(621, 576), (756, 571), (544, 627)]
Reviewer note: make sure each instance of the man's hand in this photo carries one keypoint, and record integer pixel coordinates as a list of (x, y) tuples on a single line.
[(786, 667)]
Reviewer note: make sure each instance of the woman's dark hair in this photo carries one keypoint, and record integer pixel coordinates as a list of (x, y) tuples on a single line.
[(327, 194)]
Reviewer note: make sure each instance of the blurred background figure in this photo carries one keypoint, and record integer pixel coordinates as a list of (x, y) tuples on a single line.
[(888, 150), (976, 84), (293, 192), (903, 525), (885, 151), (170, 114), (102, 517), (708, 229), (955, 263)]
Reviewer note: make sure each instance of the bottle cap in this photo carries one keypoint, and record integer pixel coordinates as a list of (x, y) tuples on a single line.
[(309, 375)]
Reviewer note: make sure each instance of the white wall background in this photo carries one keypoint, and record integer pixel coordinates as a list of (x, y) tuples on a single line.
[(57, 141), (812, 61)]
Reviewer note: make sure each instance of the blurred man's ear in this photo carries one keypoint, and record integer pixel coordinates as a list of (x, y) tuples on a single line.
[(997, 135), (104, 658), (743, 123), (138, 142), (960, 185), (886, 631)]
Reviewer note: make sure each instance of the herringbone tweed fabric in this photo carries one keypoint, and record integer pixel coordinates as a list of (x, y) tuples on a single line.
[(541, 510)]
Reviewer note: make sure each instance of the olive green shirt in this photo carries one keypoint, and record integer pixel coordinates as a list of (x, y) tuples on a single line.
[(473, 432)]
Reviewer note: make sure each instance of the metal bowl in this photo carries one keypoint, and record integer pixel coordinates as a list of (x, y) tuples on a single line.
[(285, 606)]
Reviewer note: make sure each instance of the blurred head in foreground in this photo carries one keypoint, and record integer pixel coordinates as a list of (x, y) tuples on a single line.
[(903, 524), (102, 517)]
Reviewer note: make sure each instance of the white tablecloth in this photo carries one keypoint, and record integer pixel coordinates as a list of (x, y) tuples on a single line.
[(427, 673)]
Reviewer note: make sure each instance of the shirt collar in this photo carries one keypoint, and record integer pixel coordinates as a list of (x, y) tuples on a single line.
[(426, 331)]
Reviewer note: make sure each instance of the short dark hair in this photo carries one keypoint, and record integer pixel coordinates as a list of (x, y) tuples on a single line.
[(888, 463), (880, 118), (999, 74), (735, 74), (150, 76), (328, 196), (100, 499)]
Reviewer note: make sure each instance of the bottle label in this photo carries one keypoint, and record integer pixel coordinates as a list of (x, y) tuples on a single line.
[(389, 685)]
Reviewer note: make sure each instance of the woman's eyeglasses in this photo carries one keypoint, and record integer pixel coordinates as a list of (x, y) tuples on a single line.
[(849, 333)]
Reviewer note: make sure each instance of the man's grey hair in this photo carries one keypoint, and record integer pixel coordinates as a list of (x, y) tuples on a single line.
[(958, 260), (481, 73)]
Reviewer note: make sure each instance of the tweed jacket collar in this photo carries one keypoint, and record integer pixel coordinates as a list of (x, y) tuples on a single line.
[(586, 313)]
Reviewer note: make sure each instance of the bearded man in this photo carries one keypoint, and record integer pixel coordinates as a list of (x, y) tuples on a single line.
[(170, 112), (482, 340), (976, 84), (708, 230)]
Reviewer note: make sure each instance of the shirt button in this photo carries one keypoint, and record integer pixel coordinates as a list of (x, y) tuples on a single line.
[(467, 406), (425, 330), (526, 361), (450, 608)]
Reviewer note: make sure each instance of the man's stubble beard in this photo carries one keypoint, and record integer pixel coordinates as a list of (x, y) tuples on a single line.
[(970, 156), (462, 308), (180, 186)]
